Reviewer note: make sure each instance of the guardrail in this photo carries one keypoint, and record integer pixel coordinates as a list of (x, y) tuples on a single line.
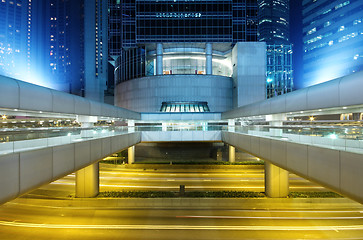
[(41, 138), (335, 137)]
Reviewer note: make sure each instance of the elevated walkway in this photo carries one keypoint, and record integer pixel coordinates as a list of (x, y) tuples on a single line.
[(333, 161), (23, 171), (338, 170)]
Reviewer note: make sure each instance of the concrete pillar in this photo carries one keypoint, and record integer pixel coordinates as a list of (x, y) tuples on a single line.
[(219, 156), (87, 181), (208, 59), (131, 154), (276, 181), (232, 154), (159, 59)]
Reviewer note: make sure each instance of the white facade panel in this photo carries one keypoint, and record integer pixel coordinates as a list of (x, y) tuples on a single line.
[(174, 88)]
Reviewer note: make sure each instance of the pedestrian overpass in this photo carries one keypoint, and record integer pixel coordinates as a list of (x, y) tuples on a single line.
[(329, 156)]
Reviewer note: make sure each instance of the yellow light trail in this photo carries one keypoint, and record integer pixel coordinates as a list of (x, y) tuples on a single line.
[(183, 227)]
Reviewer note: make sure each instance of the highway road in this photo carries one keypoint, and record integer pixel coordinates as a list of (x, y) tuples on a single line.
[(27, 220), (47, 213), (120, 178)]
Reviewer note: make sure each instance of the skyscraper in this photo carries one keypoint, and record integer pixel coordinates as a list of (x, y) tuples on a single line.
[(333, 37), (273, 22), (60, 44), (95, 48), (141, 21), (15, 31), (186, 54)]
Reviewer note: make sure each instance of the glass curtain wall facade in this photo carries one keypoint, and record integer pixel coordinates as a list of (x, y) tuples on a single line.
[(114, 28), (279, 70), (133, 24), (184, 21), (244, 20), (142, 21), (14, 38), (131, 64), (273, 28), (333, 39), (273, 21)]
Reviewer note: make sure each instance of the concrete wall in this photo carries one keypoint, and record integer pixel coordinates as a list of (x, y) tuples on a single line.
[(25, 171), (15, 94), (341, 92), (249, 73), (147, 94), (334, 169)]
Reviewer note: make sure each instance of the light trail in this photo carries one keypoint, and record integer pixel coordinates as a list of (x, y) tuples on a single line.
[(268, 211), (182, 227), (272, 218)]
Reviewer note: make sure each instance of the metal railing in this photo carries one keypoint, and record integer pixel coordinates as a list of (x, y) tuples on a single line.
[(335, 137)]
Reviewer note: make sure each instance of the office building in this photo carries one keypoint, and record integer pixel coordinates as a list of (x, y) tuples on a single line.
[(192, 55), (56, 44), (15, 32), (273, 22), (333, 37)]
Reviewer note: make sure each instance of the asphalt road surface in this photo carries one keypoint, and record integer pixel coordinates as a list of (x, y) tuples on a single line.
[(31, 221), (118, 179), (36, 216)]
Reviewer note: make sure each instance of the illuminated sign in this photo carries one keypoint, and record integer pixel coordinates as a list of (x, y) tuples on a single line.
[(178, 15)]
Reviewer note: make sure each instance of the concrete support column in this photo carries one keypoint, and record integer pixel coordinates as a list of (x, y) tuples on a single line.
[(208, 59), (232, 154), (276, 181), (159, 59), (131, 154), (87, 181), (219, 155)]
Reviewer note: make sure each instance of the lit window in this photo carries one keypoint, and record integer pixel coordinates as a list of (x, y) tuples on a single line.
[(311, 31)]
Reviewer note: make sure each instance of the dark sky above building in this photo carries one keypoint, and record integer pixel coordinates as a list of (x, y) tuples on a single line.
[(296, 40)]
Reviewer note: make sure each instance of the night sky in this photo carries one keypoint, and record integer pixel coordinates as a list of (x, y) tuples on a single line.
[(296, 39)]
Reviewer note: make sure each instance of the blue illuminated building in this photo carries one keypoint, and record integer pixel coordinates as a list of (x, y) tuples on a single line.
[(333, 39), (273, 28), (273, 21), (152, 43), (57, 44), (15, 32)]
